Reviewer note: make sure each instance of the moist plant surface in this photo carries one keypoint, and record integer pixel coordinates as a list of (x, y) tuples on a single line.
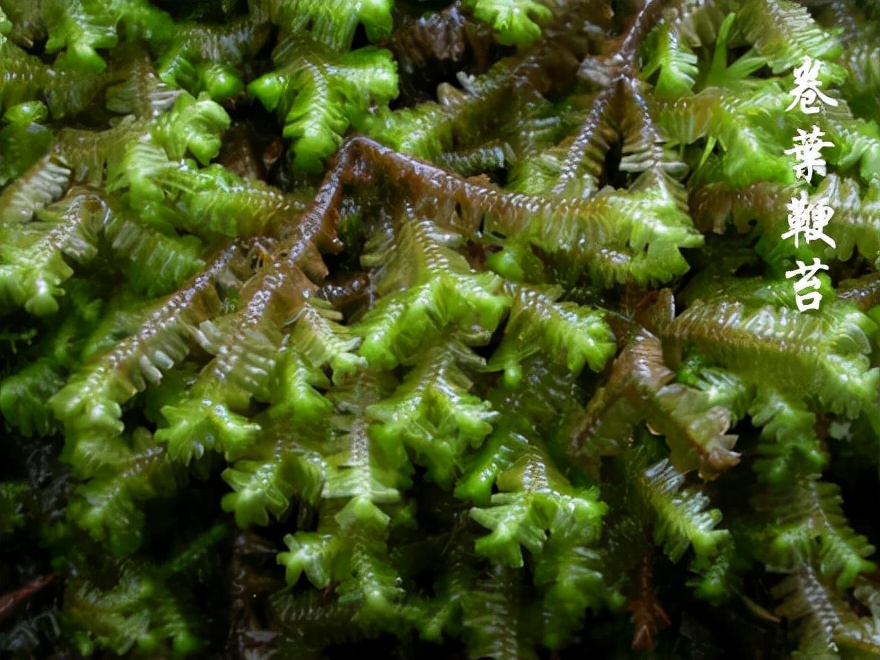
[(443, 330)]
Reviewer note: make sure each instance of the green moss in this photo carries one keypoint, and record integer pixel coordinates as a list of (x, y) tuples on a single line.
[(453, 330)]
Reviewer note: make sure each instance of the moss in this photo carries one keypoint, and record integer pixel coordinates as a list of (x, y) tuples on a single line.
[(462, 329)]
